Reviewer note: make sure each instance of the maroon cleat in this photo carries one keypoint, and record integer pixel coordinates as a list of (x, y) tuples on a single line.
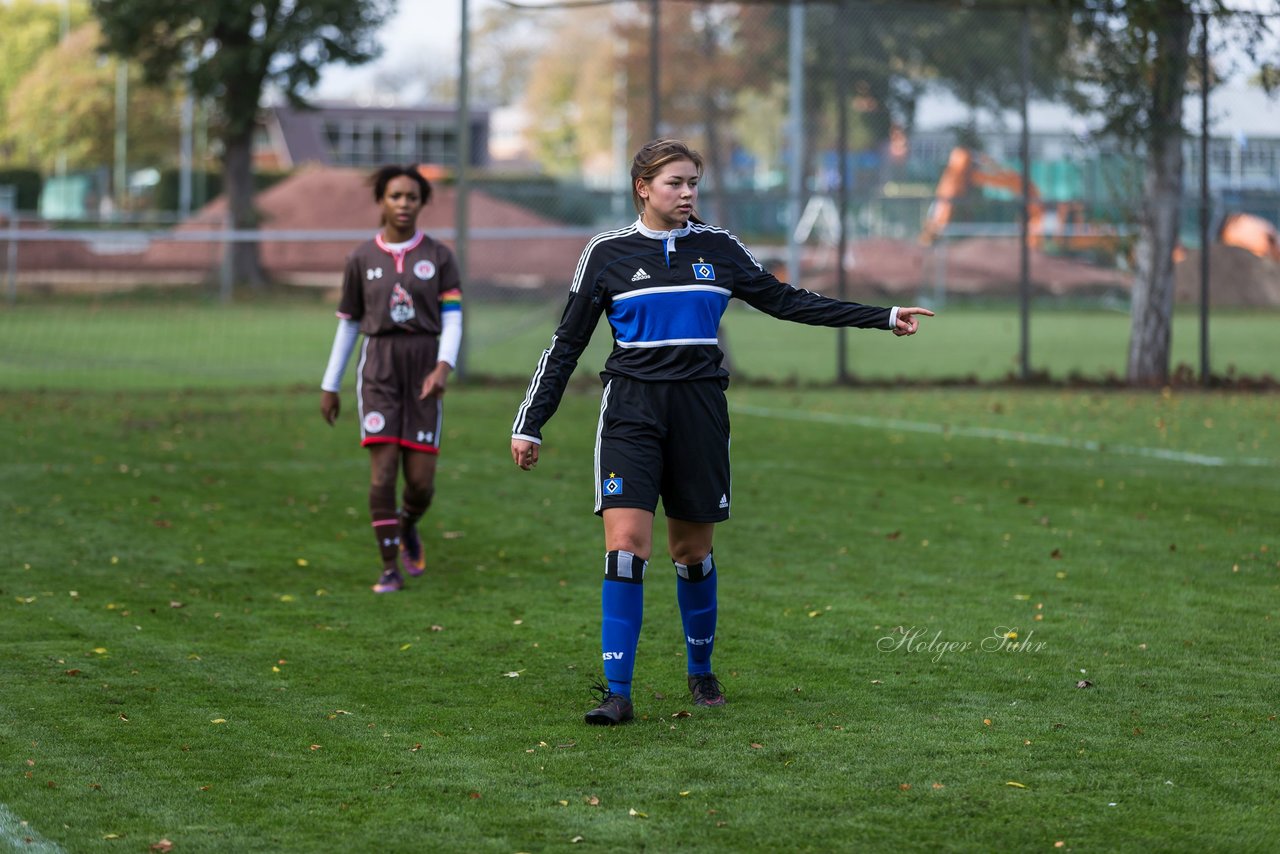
[(411, 552), (390, 582)]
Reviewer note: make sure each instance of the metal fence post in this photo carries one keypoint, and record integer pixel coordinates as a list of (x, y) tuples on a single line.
[(1205, 376), (795, 137), (462, 202)]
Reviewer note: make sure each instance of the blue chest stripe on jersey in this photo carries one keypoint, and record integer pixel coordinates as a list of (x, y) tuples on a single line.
[(667, 316)]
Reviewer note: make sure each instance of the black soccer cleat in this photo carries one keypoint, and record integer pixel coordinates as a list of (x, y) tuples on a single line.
[(613, 709), (706, 689)]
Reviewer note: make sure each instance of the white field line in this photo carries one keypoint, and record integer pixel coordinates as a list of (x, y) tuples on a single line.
[(15, 833), (1014, 436)]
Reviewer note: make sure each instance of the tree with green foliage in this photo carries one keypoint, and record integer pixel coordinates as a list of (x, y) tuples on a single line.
[(59, 112), (27, 30), (1134, 64), (231, 51)]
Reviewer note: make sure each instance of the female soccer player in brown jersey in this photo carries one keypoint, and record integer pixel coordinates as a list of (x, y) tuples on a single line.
[(402, 291)]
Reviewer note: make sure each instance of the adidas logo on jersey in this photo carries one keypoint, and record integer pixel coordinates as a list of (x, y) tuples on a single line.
[(640, 275)]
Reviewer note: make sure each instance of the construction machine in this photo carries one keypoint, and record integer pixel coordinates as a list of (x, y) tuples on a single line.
[(966, 170)]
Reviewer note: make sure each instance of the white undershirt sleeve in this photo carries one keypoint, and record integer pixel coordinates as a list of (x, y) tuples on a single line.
[(450, 337), (344, 341), (893, 318)]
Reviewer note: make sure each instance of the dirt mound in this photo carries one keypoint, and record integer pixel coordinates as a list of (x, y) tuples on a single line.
[(1237, 277), (330, 199), (976, 266)]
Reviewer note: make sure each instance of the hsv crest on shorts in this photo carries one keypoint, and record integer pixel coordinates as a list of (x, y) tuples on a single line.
[(401, 305), (612, 485)]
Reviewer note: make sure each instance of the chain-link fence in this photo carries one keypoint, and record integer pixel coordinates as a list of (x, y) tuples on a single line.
[(884, 153)]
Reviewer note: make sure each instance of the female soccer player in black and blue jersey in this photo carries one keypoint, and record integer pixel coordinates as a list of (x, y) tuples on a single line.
[(664, 281)]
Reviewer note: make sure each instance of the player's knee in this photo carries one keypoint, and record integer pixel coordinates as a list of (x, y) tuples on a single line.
[(690, 555)]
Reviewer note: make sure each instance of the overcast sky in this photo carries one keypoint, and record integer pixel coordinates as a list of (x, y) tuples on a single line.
[(421, 34)]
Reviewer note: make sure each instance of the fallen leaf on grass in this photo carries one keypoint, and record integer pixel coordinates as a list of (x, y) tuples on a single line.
[(513, 674), (593, 801), (1056, 554), (906, 787), (176, 604), (72, 672), (684, 794), (1015, 784), (682, 714), (403, 647), (415, 748), (756, 745), (1084, 683), (218, 721), (111, 836), (475, 796), (893, 536), (633, 812), (315, 747), (563, 803), (437, 628), (576, 839), (163, 846)]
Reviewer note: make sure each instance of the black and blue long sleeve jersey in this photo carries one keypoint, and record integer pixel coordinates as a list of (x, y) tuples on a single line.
[(664, 293)]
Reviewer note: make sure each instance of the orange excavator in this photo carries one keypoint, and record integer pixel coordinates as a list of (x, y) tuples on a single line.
[(966, 169), (1250, 232)]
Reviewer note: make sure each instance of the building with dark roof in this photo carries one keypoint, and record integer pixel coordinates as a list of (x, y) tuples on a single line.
[(333, 134)]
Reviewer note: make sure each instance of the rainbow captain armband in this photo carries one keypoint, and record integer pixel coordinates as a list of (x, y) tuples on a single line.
[(451, 300)]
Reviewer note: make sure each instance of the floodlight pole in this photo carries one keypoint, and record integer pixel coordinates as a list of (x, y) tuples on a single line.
[(121, 176)]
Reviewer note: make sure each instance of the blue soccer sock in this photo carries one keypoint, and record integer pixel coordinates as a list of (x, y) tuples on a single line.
[(622, 608), (696, 593)]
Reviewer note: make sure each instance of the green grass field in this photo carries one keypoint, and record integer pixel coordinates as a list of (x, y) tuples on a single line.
[(192, 653), (179, 341)]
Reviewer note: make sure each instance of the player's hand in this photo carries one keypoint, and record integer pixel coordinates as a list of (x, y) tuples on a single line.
[(434, 384), (907, 322), (330, 406), (524, 453)]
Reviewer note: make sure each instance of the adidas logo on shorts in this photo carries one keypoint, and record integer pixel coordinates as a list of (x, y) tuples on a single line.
[(640, 275)]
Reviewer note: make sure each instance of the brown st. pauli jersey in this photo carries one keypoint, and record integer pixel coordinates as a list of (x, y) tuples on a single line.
[(390, 291)]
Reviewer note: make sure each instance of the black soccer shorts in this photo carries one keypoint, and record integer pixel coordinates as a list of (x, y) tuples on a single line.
[(667, 440)]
